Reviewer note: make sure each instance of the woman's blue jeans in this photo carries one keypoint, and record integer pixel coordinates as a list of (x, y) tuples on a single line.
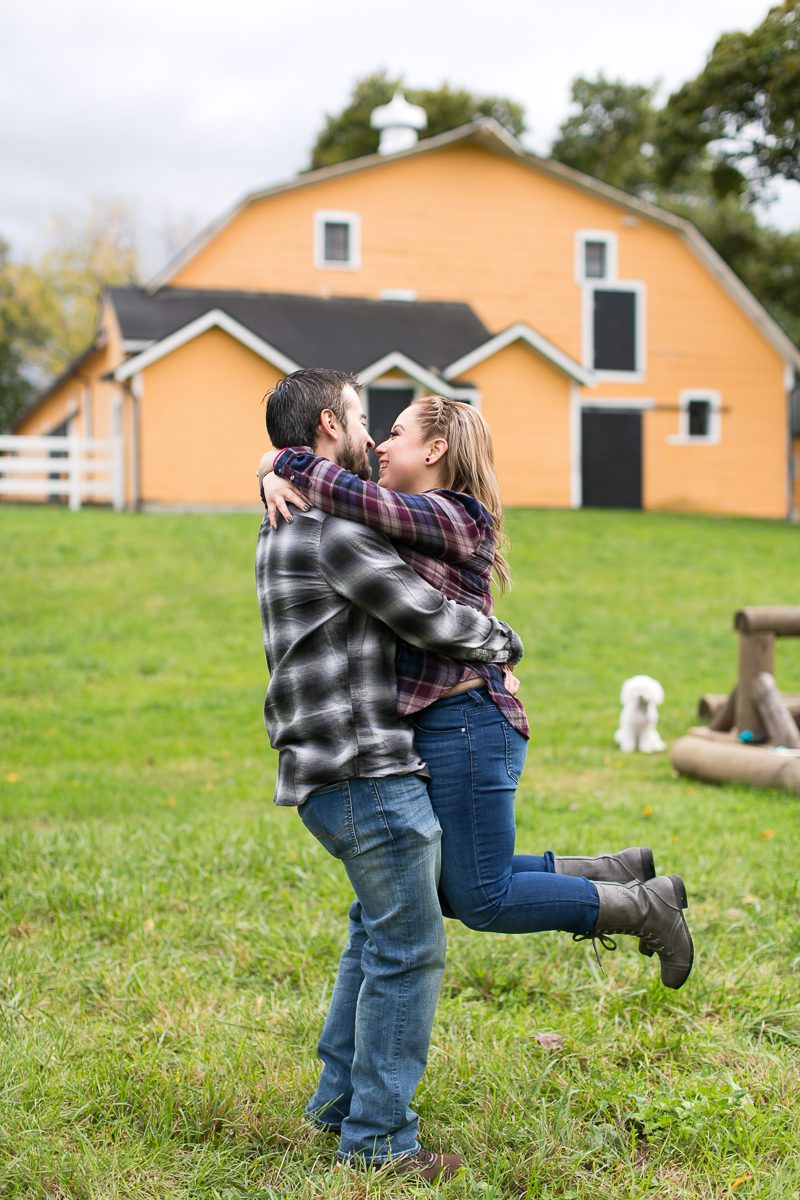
[(374, 1044), (475, 758)]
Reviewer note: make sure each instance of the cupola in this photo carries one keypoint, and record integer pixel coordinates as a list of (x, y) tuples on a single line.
[(399, 123)]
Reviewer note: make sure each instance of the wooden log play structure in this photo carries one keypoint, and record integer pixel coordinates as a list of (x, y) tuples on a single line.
[(752, 734)]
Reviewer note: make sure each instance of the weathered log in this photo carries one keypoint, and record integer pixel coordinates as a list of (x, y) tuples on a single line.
[(778, 721), (756, 654), (783, 621), (716, 762), (709, 706), (723, 717), (709, 703)]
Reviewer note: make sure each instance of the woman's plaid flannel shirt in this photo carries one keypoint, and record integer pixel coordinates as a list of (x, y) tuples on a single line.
[(448, 539)]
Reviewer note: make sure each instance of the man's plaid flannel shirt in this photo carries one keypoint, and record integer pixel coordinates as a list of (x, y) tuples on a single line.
[(448, 539), (334, 597)]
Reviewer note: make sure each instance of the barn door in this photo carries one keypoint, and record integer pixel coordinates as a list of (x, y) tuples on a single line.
[(611, 458), (384, 405)]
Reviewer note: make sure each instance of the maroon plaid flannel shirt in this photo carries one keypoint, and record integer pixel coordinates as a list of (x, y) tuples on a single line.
[(447, 538)]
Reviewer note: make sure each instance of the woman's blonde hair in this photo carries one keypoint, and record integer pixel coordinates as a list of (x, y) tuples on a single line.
[(469, 463)]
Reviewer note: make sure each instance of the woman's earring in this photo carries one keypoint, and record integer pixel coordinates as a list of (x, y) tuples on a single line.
[(427, 460)]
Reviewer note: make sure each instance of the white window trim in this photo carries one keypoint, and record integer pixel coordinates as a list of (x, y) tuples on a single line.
[(582, 236), (714, 435), (324, 216), (587, 329)]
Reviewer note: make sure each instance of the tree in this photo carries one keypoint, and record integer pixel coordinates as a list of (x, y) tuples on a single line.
[(742, 111), (19, 331), (87, 250), (349, 135), (765, 259), (611, 135)]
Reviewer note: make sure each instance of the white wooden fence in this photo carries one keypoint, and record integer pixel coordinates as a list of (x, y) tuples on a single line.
[(76, 467)]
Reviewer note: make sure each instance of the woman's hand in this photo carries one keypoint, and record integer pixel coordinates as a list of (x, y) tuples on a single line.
[(276, 493), (510, 680), (266, 464)]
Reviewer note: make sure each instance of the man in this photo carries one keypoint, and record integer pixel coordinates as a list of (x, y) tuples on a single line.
[(333, 596)]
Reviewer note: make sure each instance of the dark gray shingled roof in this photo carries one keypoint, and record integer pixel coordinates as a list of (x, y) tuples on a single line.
[(342, 333)]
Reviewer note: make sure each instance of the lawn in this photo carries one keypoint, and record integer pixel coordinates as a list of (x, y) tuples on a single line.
[(170, 938)]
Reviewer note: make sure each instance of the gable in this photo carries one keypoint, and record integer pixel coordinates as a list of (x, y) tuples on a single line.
[(466, 216)]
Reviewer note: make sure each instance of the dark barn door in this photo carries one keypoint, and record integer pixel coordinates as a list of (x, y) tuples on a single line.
[(384, 407), (611, 465)]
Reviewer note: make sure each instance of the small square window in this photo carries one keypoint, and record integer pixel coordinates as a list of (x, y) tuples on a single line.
[(337, 241), (595, 263), (699, 418)]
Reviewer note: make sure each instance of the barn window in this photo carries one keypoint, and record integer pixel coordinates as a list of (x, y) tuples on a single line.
[(595, 255), (700, 418), (595, 260), (337, 241), (614, 332)]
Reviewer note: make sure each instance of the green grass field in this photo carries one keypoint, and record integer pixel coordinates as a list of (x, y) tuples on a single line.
[(169, 938)]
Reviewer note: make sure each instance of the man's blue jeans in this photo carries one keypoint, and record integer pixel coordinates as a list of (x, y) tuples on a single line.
[(374, 1044), (475, 758)]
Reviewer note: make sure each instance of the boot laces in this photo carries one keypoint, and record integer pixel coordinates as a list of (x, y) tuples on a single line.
[(607, 942), (595, 936)]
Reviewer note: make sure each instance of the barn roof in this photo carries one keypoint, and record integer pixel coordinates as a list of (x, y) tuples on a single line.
[(487, 133), (341, 332)]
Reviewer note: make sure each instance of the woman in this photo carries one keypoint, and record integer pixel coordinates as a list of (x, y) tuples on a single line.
[(438, 500)]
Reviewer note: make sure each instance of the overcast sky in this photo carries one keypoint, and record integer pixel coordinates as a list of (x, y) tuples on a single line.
[(181, 106)]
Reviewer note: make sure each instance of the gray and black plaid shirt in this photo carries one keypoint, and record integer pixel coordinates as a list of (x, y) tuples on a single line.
[(333, 595)]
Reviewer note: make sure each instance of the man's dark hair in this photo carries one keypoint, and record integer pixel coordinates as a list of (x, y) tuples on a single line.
[(295, 404)]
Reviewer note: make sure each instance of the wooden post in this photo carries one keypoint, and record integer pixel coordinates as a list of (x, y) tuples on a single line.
[(773, 712), (723, 717), (756, 654), (74, 472)]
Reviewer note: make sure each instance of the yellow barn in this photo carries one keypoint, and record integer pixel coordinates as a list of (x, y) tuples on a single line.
[(618, 360)]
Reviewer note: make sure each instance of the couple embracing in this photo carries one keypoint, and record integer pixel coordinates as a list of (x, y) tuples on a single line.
[(392, 703)]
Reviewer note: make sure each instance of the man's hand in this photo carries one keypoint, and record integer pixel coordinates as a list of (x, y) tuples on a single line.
[(510, 680), (276, 493)]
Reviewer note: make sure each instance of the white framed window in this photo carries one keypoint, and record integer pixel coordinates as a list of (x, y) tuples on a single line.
[(337, 240), (699, 418), (614, 330), (595, 255)]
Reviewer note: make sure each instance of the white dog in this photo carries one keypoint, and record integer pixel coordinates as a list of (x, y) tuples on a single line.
[(640, 698)]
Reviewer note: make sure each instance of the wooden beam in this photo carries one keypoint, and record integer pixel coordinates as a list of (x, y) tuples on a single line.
[(777, 719), (724, 717), (717, 762), (783, 621), (756, 654)]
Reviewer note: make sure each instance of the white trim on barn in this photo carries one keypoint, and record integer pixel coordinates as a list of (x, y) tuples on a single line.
[(714, 436), (610, 241), (639, 290), (396, 360), (329, 216), (215, 318), (521, 332)]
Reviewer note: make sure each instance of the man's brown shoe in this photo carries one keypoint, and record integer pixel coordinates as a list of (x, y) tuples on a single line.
[(433, 1168)]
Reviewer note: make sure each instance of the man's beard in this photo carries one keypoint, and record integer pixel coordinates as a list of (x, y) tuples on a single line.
[(351, 459)]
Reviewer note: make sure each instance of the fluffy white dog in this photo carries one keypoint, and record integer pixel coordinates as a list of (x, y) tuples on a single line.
[(640, 698)]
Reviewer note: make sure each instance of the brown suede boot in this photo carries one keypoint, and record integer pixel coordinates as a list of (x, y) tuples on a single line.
[(433, 1168)]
